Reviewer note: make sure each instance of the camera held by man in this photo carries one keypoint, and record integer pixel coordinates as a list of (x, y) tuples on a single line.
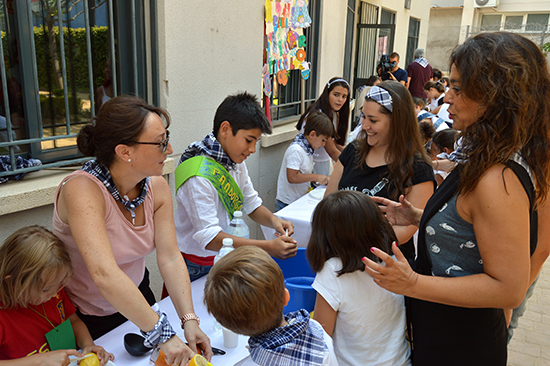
[(388, 69)]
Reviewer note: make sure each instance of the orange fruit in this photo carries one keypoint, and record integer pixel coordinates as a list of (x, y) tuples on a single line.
[(160, 360), (197, 360)]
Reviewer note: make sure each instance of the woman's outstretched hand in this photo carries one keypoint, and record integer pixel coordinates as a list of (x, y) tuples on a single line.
[(396, 276), (401, 213)]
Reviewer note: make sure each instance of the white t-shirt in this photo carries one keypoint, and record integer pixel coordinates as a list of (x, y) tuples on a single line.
[(330, 358), (370, 324), (298, 159), (322, 154), (200, 215)]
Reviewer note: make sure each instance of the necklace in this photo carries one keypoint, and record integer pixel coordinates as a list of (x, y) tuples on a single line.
[(43, 316)]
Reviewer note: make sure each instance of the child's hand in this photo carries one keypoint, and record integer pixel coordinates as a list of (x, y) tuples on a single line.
[(283, 227), (322, 179), (103, 355), (282, 247), (56, 358)]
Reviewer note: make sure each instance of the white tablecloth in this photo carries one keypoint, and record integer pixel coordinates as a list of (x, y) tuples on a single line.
[(299, 213), (114, 340)]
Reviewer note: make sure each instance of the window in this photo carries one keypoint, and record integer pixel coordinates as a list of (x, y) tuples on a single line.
[(57, 55), (491, 22), (513, 22), (536, 22), (286, 99), (412, 40)]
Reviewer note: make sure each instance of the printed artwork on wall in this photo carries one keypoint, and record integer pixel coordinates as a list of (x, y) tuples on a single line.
[(285, 21)]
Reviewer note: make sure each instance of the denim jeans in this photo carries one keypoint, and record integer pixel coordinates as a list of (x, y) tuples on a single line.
[(196, 271), (520, 310), (279, 205)]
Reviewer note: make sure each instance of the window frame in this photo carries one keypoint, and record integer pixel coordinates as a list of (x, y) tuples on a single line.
[(128, 29)]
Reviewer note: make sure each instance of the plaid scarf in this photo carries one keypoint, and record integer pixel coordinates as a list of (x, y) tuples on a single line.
[(299, 343), (301, 140), (20, 163), (210, 147), (421, 61), (102, 173)]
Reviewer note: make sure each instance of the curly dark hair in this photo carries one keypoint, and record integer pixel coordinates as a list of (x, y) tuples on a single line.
[(508, 74)]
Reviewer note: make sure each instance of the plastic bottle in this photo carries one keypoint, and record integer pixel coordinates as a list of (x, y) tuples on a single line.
[(226, 248), (238, 227)]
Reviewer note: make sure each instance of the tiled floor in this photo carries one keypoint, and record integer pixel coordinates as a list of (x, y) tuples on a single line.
[(531, 343)]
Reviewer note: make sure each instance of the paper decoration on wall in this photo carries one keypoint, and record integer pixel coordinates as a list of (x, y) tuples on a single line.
[(305, 70), (285, 21), (300, 16), (266, 80)]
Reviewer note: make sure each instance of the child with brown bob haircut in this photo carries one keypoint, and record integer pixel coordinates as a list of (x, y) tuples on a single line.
[(365, 321), (245, 292)]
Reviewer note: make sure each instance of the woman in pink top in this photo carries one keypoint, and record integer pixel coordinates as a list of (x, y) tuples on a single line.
[(115, 211)]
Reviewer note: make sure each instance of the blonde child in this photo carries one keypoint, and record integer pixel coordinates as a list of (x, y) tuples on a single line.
[(34, 268), (366, 323)]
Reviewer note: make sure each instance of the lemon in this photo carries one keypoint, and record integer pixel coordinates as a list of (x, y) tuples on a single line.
[(90, 361), (198, 360)]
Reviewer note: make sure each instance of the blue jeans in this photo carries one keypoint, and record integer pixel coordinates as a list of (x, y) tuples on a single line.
[(196, 271), (520, 310), (279, 205)]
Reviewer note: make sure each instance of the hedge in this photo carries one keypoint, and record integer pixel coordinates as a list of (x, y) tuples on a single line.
[(75, 50)]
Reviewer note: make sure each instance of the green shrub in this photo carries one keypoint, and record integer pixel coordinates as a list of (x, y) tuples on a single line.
[(76, 57)]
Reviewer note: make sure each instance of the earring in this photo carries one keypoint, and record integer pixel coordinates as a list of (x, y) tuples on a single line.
[(129, 160)]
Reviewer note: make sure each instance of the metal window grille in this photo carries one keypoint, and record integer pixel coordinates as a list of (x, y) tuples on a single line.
[(54, 56), (287, 100)]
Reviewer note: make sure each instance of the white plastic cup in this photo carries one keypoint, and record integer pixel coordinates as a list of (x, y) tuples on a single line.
[(230, 339)]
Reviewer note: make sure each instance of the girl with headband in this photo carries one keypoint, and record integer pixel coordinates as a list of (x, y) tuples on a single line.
[(479, 245), (388, 159), (334, 102)]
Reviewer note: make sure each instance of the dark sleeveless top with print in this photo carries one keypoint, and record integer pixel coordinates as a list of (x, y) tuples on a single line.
[(447, 247)]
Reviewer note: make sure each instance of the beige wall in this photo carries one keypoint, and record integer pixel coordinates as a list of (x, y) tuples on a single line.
[(209, 49), (332, 41)]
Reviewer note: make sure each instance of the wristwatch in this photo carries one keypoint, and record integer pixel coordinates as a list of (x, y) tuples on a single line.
[(189, 316)]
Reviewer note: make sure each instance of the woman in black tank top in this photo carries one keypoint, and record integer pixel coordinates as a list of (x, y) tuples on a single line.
[(474, 234)]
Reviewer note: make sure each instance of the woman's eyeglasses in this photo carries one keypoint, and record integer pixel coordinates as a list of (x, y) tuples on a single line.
[(163, 145)]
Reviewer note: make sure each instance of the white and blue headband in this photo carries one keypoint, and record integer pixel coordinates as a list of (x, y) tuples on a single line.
[(338, 80), (380, 96)]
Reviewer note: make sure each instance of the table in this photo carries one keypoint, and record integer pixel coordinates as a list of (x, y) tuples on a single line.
[(114, 340), (299, 213)]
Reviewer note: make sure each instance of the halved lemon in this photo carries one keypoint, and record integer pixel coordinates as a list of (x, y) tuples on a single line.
[(199, 360), (90, 361)]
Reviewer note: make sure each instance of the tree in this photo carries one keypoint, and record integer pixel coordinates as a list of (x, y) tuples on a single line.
[(49, 14)]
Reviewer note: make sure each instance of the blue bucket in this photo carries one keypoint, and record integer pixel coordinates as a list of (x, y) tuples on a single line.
[(302, 295), (297, 266)]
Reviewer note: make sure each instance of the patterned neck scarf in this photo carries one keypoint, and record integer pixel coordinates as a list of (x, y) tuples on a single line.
[(210, 147), (421, 61), (299, 343), (102, 173), (301, 140)]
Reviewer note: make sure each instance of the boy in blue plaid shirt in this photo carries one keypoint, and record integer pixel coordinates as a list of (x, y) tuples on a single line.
[(245, 292)]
